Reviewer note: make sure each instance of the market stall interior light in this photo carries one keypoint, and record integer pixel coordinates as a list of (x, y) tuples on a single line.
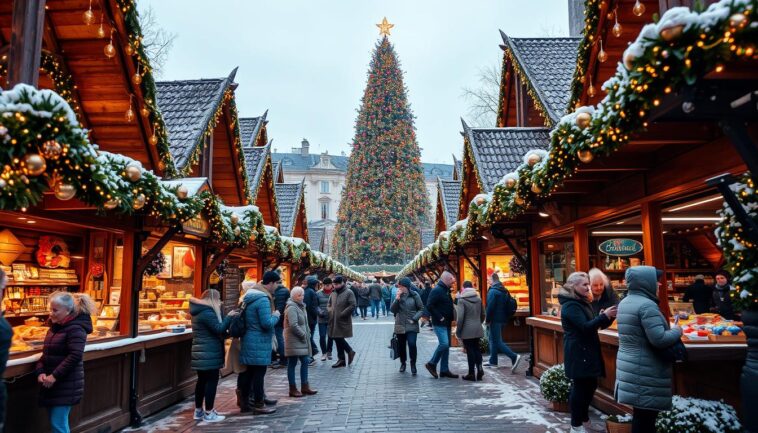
[(691, 219), (697, 203), (543, 214), (617, 232)]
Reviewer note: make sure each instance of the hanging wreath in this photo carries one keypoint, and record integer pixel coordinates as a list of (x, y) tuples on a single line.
[(221, 268), (156, 265), (517, 266), (53, 252)]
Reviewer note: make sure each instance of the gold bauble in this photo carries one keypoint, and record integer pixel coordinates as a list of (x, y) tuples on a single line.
[(88, 17), (638, 9), (51, 149), (153, 139), (536, 188), (533, 159), (101, 32), (129, 49), (182, 192), (34, 164), (510, 182), (585, 155), (629, 59), (737, 20), (479, 201), (518, 200), (129, 115), (235, 219), (139, 202), (617, 30), (137, 78), (109, 50), (133, 173), (144, 112), (591, 91), (64, 191), (602, 56), (237, 231), (583, 120), (111, 204), (672, 33), (3, 183)]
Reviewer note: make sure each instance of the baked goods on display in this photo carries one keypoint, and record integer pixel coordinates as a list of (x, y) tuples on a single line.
[(710, 327)]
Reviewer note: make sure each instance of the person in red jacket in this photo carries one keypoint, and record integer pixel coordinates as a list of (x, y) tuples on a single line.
[(60, 370)]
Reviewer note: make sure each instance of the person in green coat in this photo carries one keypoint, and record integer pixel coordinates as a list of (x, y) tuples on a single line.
[(208, 333)]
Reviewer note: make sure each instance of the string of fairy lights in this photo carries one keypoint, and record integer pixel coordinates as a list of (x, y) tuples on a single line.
[(678, 55)]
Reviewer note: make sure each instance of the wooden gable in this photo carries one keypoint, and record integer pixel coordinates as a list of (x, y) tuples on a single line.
[(470, 183), (265, 199), (301, 220), (101, 89), (440, 222)]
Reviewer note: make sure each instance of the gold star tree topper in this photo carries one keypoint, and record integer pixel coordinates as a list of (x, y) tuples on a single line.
[(384, 27)]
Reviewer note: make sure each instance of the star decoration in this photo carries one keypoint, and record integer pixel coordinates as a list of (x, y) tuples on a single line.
[(384, 27)]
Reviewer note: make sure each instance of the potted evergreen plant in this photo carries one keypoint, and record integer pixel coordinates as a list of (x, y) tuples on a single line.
[(619, 423), (554, 386), (696, 415)]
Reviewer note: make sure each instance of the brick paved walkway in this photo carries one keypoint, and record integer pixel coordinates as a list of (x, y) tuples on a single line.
[(371, 396)]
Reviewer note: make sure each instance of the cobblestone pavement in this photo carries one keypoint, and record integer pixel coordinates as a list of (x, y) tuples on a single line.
[(371, 396)]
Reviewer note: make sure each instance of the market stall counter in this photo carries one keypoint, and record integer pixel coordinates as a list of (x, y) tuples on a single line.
[(105, 404), (712, 370)]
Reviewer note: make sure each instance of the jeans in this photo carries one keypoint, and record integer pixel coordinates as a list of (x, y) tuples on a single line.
[(314, 348), (342, 348), (580, 397), (292, 363), (375, 307), (364, 312), (324, 340), (410, 339), (205, 389), (59, 418), (442, 352), (386, 306), (253, 375), (643, 420), (279, 331), (497, 345), (473, 354)]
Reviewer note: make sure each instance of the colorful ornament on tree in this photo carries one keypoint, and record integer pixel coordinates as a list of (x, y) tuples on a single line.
[(51, 150), (64, 191), (134, 173), (34, 164)]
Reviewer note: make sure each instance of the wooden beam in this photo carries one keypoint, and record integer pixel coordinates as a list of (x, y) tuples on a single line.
[(582, 248), (215, 261), (164, 239), (26, 42), (653, 248)]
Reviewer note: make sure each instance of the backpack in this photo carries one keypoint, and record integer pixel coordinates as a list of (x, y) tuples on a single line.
[(510, 305), (237, 325)]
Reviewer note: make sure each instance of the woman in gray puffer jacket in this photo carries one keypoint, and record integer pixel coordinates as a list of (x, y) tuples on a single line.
[(408, 308), (643, 375), (297, 338), (468, 328)]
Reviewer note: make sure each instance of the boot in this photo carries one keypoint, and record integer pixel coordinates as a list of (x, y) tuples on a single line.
[(479, 372), (470, 377), (245, 404), (306, 389), (402, 367), (294, 392), (260, 408), (413, 369)]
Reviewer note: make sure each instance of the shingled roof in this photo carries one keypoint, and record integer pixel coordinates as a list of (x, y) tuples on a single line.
[(188, 107), (255, 162), (316, 237), (427, 237), (498, 151), (288, 198), (450, 193), (250, 127), (299, 162), (548, 64)]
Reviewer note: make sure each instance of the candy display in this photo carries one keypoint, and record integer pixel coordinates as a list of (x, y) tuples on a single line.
[(710, 327)]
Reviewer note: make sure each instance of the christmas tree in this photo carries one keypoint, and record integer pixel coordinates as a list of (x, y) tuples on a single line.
[(384, 203)]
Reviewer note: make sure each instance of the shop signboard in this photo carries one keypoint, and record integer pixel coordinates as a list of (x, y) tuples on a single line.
[(620, 247), (197, 226)]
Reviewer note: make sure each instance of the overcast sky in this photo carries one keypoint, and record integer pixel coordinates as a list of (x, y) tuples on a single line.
[(306, 61)]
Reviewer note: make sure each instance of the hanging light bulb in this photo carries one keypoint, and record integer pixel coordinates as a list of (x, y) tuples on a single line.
[(110, 50), (638, 8), (101, 29), (137, 77), (154, 138), (591, 91), (129, 115), (602, 56), (617, 29), (88, 16)]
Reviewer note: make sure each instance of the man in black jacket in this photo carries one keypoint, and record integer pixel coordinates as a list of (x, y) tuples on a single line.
[(311, 308), (281, 296), (440, 308), (700, 294)]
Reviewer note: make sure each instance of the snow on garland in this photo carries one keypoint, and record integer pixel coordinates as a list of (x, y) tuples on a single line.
[(692, 415), (740, 254)]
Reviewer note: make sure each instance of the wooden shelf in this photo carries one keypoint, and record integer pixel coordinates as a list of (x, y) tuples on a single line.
[(27, 283), (173, 299), (39, 313)]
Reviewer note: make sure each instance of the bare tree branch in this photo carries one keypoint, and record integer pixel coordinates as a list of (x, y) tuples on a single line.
[(483, 99), (156, 40)]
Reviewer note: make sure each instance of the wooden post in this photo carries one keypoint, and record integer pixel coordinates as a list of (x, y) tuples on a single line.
[(535, 292), (26, 42), (655, 254), (582, 248)]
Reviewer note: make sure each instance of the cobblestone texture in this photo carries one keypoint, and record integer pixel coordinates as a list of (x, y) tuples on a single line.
[(371, 396)]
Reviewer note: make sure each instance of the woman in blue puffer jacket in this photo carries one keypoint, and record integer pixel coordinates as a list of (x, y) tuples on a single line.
[(208, 334)]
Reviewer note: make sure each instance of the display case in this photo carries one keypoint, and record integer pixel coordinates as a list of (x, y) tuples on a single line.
[(512, 276), (557, 262)]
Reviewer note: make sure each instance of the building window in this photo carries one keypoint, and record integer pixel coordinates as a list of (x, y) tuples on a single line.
[(325, 210), (325, 186)]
